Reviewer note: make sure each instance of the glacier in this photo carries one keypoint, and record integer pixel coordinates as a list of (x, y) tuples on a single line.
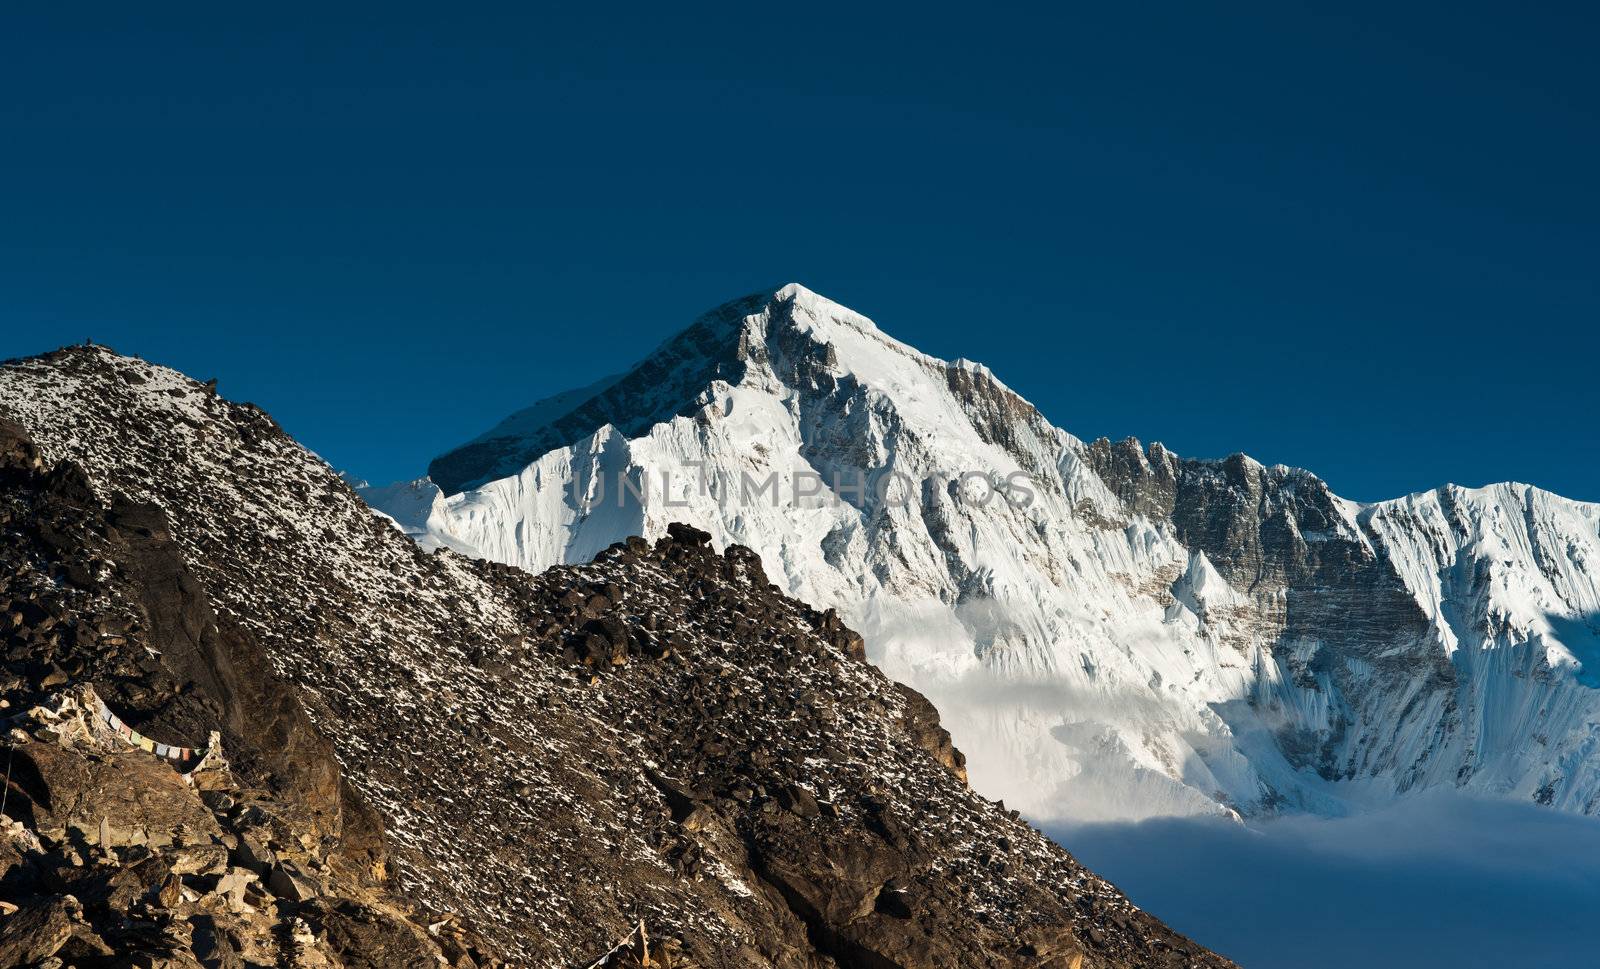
[(1109, 631)]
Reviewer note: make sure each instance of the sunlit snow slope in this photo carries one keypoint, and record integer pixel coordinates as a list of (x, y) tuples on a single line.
[(1120, 633)]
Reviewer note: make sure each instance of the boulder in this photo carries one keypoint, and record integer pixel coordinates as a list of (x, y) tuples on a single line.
[(213, 946), (118, 889), (253, 853), (18, 455), (684, 534), (365, 937), (232, 886), (133, 797), (291, 881), (800, 801), (16, 873), (199, 859), (48, 927)]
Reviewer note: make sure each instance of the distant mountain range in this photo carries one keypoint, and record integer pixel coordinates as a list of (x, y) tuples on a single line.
[(1109, 631)]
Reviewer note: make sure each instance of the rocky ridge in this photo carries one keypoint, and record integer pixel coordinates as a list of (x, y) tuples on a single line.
[(442, 758), (113, 855)]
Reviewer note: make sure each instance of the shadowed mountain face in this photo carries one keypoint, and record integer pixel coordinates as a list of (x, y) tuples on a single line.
[(442, 760), (666, 385), (1110, 632)]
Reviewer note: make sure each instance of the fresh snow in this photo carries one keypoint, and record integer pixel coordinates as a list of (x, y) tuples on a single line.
[(1090, 665)]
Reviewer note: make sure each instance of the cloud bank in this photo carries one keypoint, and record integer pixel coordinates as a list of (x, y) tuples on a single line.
[(1439, 880)]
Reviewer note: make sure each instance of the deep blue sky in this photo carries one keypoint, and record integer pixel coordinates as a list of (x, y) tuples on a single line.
[(1362, 242)]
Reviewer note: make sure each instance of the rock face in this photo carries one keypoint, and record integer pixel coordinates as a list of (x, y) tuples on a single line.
[(1109, 631), (116, 855), (433, 760)]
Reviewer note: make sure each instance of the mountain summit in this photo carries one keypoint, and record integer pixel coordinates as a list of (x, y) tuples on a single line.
[(1109, 630), (672, 381)]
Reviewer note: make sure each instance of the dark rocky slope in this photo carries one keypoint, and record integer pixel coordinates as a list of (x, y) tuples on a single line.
[(111, 856), (435, 759)]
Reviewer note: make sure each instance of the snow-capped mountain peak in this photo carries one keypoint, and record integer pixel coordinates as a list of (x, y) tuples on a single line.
[(1110, 631)]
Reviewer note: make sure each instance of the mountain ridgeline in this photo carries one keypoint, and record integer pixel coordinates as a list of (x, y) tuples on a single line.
[(254, 725), (1147, 636)]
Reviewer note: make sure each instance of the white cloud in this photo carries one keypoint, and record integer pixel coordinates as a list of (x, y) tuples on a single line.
[(1440, 880)]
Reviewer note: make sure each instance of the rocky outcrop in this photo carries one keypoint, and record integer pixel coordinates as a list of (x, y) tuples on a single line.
[(921, 722), (438, 760), (118, 799), (115, 855)]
